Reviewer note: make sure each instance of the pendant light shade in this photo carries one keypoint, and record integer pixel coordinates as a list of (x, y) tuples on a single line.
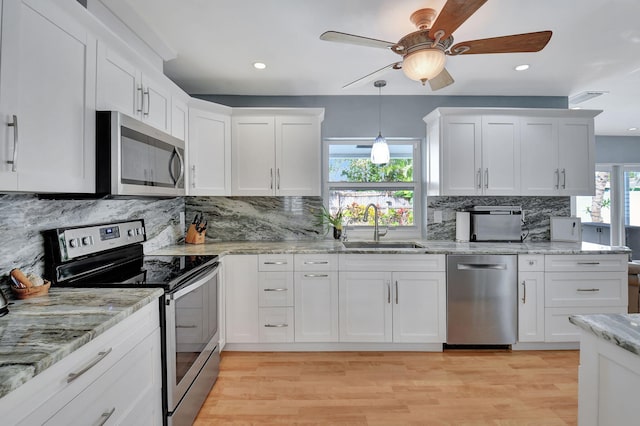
[(380, 149)]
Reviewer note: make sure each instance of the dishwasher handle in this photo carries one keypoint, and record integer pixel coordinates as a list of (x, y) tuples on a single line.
[(472, 266)]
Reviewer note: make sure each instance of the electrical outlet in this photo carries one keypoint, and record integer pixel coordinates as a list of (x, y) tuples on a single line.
[(437, 216), (182, 221)]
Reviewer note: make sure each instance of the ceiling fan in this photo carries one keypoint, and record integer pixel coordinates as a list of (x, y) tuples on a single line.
[(424, 51)]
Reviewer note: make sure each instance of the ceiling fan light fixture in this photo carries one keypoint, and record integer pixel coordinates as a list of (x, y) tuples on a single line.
[(424, 64)]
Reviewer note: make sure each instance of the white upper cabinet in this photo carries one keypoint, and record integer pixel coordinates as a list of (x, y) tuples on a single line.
[(47, 102), (482, 151), (209, 149), (276, 152), (558, 156), (124, 87)]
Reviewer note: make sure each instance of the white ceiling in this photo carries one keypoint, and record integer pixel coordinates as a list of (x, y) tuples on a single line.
[(595, 46)]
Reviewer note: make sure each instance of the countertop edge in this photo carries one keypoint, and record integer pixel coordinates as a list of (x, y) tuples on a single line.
[(622, 330)]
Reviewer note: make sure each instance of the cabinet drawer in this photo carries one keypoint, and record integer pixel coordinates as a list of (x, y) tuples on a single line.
[(316, 262), (585, 289), (585, 263), (275, 262), (531, 262), (557, 327), (275, 288), (276, 325), (392, 262)]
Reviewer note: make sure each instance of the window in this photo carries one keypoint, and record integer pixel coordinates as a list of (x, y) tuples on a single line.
[(352, 183), (597, 208), (632, 197)]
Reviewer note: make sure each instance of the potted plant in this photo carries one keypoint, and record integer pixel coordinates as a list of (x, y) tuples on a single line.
[(331, 220)]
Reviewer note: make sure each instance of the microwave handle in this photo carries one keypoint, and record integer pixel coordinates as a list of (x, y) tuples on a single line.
[(176, 153)]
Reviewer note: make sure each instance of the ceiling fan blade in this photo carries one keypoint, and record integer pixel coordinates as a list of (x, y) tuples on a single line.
[(354, 39), (441, 80), (529, 42), (453, 14), (367, 78)]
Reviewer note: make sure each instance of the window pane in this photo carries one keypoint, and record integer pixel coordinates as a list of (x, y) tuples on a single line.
[(632, 198), (596, 208), (395, 207), (351, 163)]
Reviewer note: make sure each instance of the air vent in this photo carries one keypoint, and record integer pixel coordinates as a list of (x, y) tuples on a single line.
[(585, 96)]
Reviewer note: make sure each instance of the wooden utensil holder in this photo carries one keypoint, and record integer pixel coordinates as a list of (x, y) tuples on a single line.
[(193, 236)]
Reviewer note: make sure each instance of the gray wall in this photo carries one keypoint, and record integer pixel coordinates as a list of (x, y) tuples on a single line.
[(618, 149)]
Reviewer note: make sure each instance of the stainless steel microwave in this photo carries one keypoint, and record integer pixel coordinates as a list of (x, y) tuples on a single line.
[(133, 158)]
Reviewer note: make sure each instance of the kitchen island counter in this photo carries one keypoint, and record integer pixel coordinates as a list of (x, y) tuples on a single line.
[(38, 332), (428, 246)]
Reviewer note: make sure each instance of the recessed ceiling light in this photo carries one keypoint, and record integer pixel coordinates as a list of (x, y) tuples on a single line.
[(522, 67), (259, 65), (633, 129)]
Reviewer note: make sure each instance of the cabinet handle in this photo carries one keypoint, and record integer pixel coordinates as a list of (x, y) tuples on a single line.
[(590, 290), (278, 179), (276, 325), (479, 178), (186, 326), (316, 275), (193, 176), (486, 178), (139, 109), (101, 355), (105, 416), (275, 289), (564, 178), (271, 178), (148, 103), (279, 262), (396, 292), (316, 262), (524, 293), (14, 161), (531, 262), (588, 263), (388, 292), (557, 172)]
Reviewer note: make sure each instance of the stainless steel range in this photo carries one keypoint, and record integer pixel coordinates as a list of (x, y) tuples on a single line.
[(111, 254)]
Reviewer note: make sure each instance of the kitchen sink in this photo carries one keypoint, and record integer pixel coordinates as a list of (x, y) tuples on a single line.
[(380, 244)]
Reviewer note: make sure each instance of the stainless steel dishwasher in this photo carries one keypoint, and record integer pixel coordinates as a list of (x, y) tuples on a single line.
[(482, 299)]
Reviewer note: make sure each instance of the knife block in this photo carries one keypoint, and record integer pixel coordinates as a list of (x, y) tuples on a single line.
[(193, 236)]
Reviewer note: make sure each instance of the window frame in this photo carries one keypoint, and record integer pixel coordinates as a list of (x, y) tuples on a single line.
[(366, 232)]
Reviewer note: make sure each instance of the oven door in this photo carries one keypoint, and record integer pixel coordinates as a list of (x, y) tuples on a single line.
[(191, 343)]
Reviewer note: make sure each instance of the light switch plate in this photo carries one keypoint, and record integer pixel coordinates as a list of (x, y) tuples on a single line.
[(437, 216)]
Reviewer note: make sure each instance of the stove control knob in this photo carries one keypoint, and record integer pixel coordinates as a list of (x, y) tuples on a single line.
[(87, 241), (130, 232), (73, 243)]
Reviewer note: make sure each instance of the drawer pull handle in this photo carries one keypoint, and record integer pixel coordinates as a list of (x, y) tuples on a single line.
[(275, 263), (105, 416), (316, 275), (101, 355), (588, 289), (186, 326), (315, 262), (275, 289), (588, 263), (276, 325)]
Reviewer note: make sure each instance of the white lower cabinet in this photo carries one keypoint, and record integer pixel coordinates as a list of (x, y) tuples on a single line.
[(241, 303), (531, 298), (119, 380), (378, 304)]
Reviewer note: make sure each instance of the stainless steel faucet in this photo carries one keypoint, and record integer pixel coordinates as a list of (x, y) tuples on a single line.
[(376, 231)]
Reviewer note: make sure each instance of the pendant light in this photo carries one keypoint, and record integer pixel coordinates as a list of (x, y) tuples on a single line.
[(380, 149)]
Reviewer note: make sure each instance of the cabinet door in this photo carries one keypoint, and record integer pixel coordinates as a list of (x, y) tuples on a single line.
[(156, 103), (47, 81), (539, 156), (500, 155), (297, 156), (118, 83), (576, 156), (241, 307), (531, 307), (365, 307), (419, 300), (461, 154), (316, 306), (253, 156), (179, 117), (209, 153)]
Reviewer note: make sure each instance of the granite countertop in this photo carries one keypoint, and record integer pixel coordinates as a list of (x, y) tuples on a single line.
[(38, 332), (431, 247), (622, 330)]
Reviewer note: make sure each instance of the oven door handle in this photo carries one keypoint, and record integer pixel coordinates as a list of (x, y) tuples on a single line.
[(196, 281)]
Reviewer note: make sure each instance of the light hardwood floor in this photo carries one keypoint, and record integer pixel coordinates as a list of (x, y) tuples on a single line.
[(395, 388)]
